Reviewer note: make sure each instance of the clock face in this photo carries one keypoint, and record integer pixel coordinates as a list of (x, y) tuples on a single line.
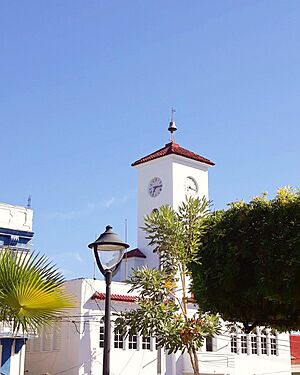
[(190, 186), (155, 187)]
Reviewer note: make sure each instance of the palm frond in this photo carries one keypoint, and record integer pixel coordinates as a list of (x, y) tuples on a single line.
[(31, 291)]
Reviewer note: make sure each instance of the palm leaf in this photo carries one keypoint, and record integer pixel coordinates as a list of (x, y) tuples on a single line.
[(31, 291)]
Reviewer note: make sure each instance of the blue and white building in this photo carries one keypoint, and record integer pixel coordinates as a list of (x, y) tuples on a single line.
[(15, 227), (15, 234)]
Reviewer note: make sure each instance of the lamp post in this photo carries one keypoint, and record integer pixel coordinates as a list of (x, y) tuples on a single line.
[(108, 252)]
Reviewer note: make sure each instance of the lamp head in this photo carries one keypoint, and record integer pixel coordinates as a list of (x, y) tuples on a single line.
[(108, 248), (108, 241)]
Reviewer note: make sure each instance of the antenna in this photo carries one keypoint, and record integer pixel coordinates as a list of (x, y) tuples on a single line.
[(172, 126), (126, 230), (126, 260), (94, 263), (29, 201), (94, 271)]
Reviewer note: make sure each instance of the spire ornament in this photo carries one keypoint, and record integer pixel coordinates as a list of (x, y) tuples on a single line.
[(172, 126), (29, 201)]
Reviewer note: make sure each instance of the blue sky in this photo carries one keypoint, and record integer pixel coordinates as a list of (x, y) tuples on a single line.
[(86, 88)]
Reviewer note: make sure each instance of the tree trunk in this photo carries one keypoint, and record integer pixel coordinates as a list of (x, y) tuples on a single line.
[(194, 361)]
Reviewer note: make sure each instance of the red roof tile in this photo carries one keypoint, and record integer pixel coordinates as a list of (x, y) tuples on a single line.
[(114, 297), (134, 253), (295, 349), (173, 148)]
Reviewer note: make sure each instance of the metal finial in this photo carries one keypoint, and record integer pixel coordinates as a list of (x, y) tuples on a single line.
[(173, 110), (29, 201), (172, 126)]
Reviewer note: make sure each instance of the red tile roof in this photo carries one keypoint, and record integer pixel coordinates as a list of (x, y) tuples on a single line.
[(295, 349), (173, 148), (114, 297), (135, 253)]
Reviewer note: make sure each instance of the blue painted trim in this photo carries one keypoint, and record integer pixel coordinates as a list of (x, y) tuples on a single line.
[(20, 233), (19, 344), (6, 355)]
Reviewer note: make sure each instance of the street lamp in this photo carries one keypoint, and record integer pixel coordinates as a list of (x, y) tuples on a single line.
[(108, 252)]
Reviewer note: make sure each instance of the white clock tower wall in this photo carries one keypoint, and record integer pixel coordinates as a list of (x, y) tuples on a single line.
[(173, 170), (162, 168), (184, 168)]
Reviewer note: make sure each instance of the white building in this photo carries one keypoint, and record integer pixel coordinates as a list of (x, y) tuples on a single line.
[(164, 177), (15, 233), (15, 227)]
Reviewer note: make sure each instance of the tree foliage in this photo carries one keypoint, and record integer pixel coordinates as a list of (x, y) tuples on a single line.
[(31, 292), (249, 269), (163, 295)]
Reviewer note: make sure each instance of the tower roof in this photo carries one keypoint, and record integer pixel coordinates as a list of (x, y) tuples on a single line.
[(135, 253), (172, 148)]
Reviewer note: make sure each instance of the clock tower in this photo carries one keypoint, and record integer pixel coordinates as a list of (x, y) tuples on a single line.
[(166, 176)]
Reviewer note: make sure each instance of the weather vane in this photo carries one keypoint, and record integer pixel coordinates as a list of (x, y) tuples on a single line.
[(172, 126)]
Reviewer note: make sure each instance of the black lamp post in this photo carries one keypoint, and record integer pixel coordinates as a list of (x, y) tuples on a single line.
[(108, 251)]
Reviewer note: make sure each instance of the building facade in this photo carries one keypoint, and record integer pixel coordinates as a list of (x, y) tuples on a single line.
[(15, 227), (15, 234), (165, 176)]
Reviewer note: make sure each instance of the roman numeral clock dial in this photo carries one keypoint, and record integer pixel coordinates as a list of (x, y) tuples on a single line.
[(155, 187)]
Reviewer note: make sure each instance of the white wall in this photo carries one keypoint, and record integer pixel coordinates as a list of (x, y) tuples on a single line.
[(183, 168), (66, 357), (127, 266), (172, 170), (80, 353), (15, 217), (161, 168)]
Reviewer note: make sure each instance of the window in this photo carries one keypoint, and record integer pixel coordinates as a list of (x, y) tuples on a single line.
[(119, 340), (243, 344), (209, 344), (101, 337), (57, 337), (132, 342), (263, 344), (253, 344), (46, 337), (36, 343), (146, 342), (233, 344), (273, 343)]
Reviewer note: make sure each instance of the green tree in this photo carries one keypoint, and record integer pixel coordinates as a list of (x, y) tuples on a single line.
[(163, 295), (31, 291), (249, 269)]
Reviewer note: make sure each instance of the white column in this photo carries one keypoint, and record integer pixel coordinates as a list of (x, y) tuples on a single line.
[(22, 359), (268, 342), (238, 343), (277, 346), (258, 340), (170, 364), (249, 349)]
